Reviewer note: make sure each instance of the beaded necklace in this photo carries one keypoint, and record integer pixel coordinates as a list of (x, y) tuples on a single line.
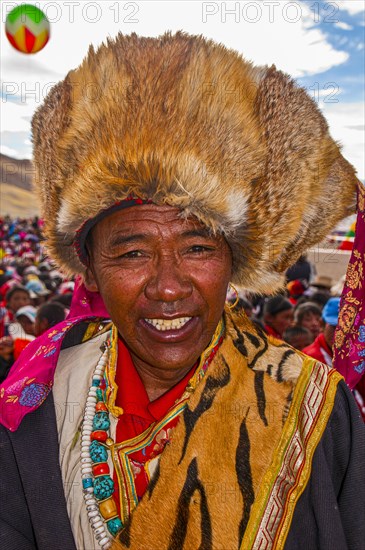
[(97, 483)]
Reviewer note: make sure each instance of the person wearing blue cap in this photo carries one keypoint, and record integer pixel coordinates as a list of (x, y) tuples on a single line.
[(321, 348)]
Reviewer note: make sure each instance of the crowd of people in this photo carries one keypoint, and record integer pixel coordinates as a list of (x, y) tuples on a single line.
[(34, 296)]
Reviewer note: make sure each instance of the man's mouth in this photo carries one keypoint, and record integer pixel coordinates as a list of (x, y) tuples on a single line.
[(168, 324)]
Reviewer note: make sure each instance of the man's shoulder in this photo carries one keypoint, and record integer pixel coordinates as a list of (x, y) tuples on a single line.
[(264, 353)]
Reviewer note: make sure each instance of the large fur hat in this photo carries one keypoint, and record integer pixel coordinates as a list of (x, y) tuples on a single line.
[(184, 121)]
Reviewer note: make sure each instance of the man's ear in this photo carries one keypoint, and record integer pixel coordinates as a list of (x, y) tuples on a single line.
[(90, 281)]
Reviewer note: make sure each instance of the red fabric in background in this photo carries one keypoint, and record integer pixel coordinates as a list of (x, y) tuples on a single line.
[(314, 349)]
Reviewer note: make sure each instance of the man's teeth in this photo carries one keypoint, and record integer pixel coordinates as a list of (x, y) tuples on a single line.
[(164, 324)]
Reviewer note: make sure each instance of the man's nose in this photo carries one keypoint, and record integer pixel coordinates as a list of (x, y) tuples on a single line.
[(168, 282)]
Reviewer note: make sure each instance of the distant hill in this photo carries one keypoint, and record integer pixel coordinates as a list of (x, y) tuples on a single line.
[(17, 202), (16, 195), (16, 172)]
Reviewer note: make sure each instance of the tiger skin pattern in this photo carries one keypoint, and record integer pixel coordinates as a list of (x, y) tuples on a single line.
[(205, 485)]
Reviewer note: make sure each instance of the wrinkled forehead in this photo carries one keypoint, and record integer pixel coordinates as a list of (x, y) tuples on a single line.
[(160, 215), (148, 219)]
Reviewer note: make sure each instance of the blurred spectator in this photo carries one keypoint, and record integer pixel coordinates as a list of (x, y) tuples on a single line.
[(320, 299), (56, 277), (45, 267), (322, 284), (278, 316), (6, 356), (337, 288), (20, 331), (26, 317), (66, 287), (295, 290), (258, 302), (321, 348), (38, 291), (302, 300), (302, 270), (16, 297), (48, 315), (309, 316), (31, 270), (298, 337), (64, 299)]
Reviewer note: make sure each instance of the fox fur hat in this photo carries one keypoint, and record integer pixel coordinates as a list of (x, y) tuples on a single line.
[(183, 121)]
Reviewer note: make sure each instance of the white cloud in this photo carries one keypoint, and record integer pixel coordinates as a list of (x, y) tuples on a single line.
[(8, 151), (353, 7), (16, 118), (18, 142), (344, 122), (344, 26)]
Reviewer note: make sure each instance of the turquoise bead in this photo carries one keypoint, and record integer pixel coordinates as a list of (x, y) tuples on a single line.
[(86, 483), (114, 525), (98, 452), (101, 421), (99, 395), (96, 383), (103, 487)]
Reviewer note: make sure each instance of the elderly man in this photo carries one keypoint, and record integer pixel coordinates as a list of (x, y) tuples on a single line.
[(153, 415)]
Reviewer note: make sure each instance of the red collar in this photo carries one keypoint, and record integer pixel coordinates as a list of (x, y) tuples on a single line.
[(132, 396), (272, 332)]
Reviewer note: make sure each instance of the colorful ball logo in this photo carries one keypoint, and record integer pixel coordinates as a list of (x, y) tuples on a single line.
[(27, 28)]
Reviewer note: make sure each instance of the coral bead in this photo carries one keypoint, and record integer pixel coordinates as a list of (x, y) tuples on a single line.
[(99, 435), (101, 469)]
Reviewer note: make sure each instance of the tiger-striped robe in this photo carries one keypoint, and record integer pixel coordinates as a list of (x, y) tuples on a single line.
[(241, 454), (261, 458)]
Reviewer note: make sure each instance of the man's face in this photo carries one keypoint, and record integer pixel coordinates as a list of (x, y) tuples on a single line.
[(150, 265)]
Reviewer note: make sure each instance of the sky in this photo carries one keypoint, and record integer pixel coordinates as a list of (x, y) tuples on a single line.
[(320, 44)]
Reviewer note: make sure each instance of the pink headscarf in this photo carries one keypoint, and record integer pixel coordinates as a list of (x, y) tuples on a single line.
[(31, 377)]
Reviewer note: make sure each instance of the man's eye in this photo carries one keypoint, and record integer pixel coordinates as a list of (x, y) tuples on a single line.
[(132, 254), (198, 248)]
